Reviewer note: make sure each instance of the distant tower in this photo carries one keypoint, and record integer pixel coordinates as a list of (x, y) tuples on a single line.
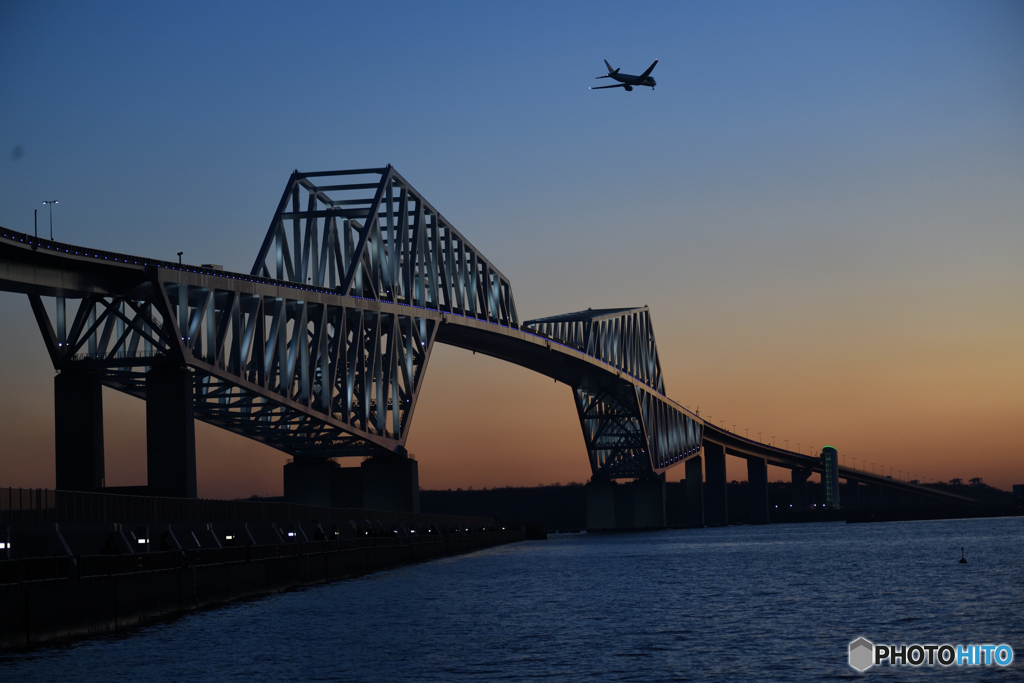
[(830, 477)]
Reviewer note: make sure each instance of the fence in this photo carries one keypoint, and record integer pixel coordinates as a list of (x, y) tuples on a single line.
[(19, 506)]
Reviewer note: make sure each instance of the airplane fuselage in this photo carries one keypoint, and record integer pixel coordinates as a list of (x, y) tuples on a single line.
[(630, 79)]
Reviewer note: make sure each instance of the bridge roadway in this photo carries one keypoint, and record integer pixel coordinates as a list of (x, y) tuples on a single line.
[(734, 444), (319, 351), (40, 267)]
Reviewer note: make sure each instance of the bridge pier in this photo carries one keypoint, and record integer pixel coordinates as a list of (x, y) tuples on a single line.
[(391, 482), (694, 493), (387, 483), (78, 423), (716, 501), (618, 507), (800, 498), (852, 494), (170, 432), (757, 487), (311, 481)]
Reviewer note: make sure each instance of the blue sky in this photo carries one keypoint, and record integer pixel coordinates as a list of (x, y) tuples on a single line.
[(821, 202)]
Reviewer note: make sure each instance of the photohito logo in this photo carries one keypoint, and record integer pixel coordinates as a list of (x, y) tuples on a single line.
[(864, 654)]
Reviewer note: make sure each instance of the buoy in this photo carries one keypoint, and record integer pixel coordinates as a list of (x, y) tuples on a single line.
[(963, 560)]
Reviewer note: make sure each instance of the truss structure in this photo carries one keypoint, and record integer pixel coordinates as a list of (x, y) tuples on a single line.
[(368, 233), (284, 367), (621, 337), (320, 350), (631, 430)]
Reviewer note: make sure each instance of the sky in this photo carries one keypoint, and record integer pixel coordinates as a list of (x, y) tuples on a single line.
[(821, 203)]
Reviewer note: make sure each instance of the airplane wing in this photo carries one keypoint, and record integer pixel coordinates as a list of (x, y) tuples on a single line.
[(648, 72), (603, 87)]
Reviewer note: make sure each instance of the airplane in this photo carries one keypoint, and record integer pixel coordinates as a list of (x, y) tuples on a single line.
[(627, 81)]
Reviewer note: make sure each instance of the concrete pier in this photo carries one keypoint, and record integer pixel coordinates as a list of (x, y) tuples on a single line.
[(78, 422), (852, 495), (391, 482), (618, 507), (757, 490), (170, 432), (694, 493), (310, 481), (801, 502), (716, 501)]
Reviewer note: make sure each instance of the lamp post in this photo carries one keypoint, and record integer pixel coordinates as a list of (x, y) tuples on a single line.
[(50, 204), (179, 257)]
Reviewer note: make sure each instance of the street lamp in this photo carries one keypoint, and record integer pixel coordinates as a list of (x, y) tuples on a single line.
[(179, 257), (50, 204)]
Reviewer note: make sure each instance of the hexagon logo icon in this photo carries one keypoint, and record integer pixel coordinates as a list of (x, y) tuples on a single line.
[(862, 654)]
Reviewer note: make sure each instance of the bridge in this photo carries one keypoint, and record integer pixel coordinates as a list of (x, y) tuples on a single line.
[(319, 351)]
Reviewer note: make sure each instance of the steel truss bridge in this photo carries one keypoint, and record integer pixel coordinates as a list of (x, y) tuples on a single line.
[(319, 350)]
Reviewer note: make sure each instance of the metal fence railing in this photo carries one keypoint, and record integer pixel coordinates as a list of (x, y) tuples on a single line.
[(18, 505), (30, 569)]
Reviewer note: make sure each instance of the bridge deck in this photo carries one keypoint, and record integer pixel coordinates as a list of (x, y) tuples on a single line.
[(40, 267)]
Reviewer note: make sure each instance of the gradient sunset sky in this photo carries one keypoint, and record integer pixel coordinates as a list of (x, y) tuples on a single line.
[(822, 203)]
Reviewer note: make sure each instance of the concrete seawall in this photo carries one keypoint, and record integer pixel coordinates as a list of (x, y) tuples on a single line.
[(49, 599)]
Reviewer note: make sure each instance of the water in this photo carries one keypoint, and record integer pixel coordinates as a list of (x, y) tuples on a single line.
[(774, 603)]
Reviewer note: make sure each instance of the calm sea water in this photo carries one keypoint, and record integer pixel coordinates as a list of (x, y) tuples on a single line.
[(774, 603)]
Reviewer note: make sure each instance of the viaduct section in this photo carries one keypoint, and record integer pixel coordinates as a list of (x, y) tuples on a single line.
[(319, 351)]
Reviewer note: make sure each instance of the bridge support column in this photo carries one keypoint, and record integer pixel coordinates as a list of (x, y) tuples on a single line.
[(694, 493), (716, 501), (601, 505), (619, 507), (170, 432), (78, 422), (852, 494), (800, 499), (309, 481), (391, 483), (757, 487), (648, 499)]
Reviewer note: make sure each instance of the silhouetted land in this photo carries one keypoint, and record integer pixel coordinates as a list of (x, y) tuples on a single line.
[(564, 508)]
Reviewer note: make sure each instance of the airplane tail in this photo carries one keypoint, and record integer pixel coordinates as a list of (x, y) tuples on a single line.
[(610, 69)]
